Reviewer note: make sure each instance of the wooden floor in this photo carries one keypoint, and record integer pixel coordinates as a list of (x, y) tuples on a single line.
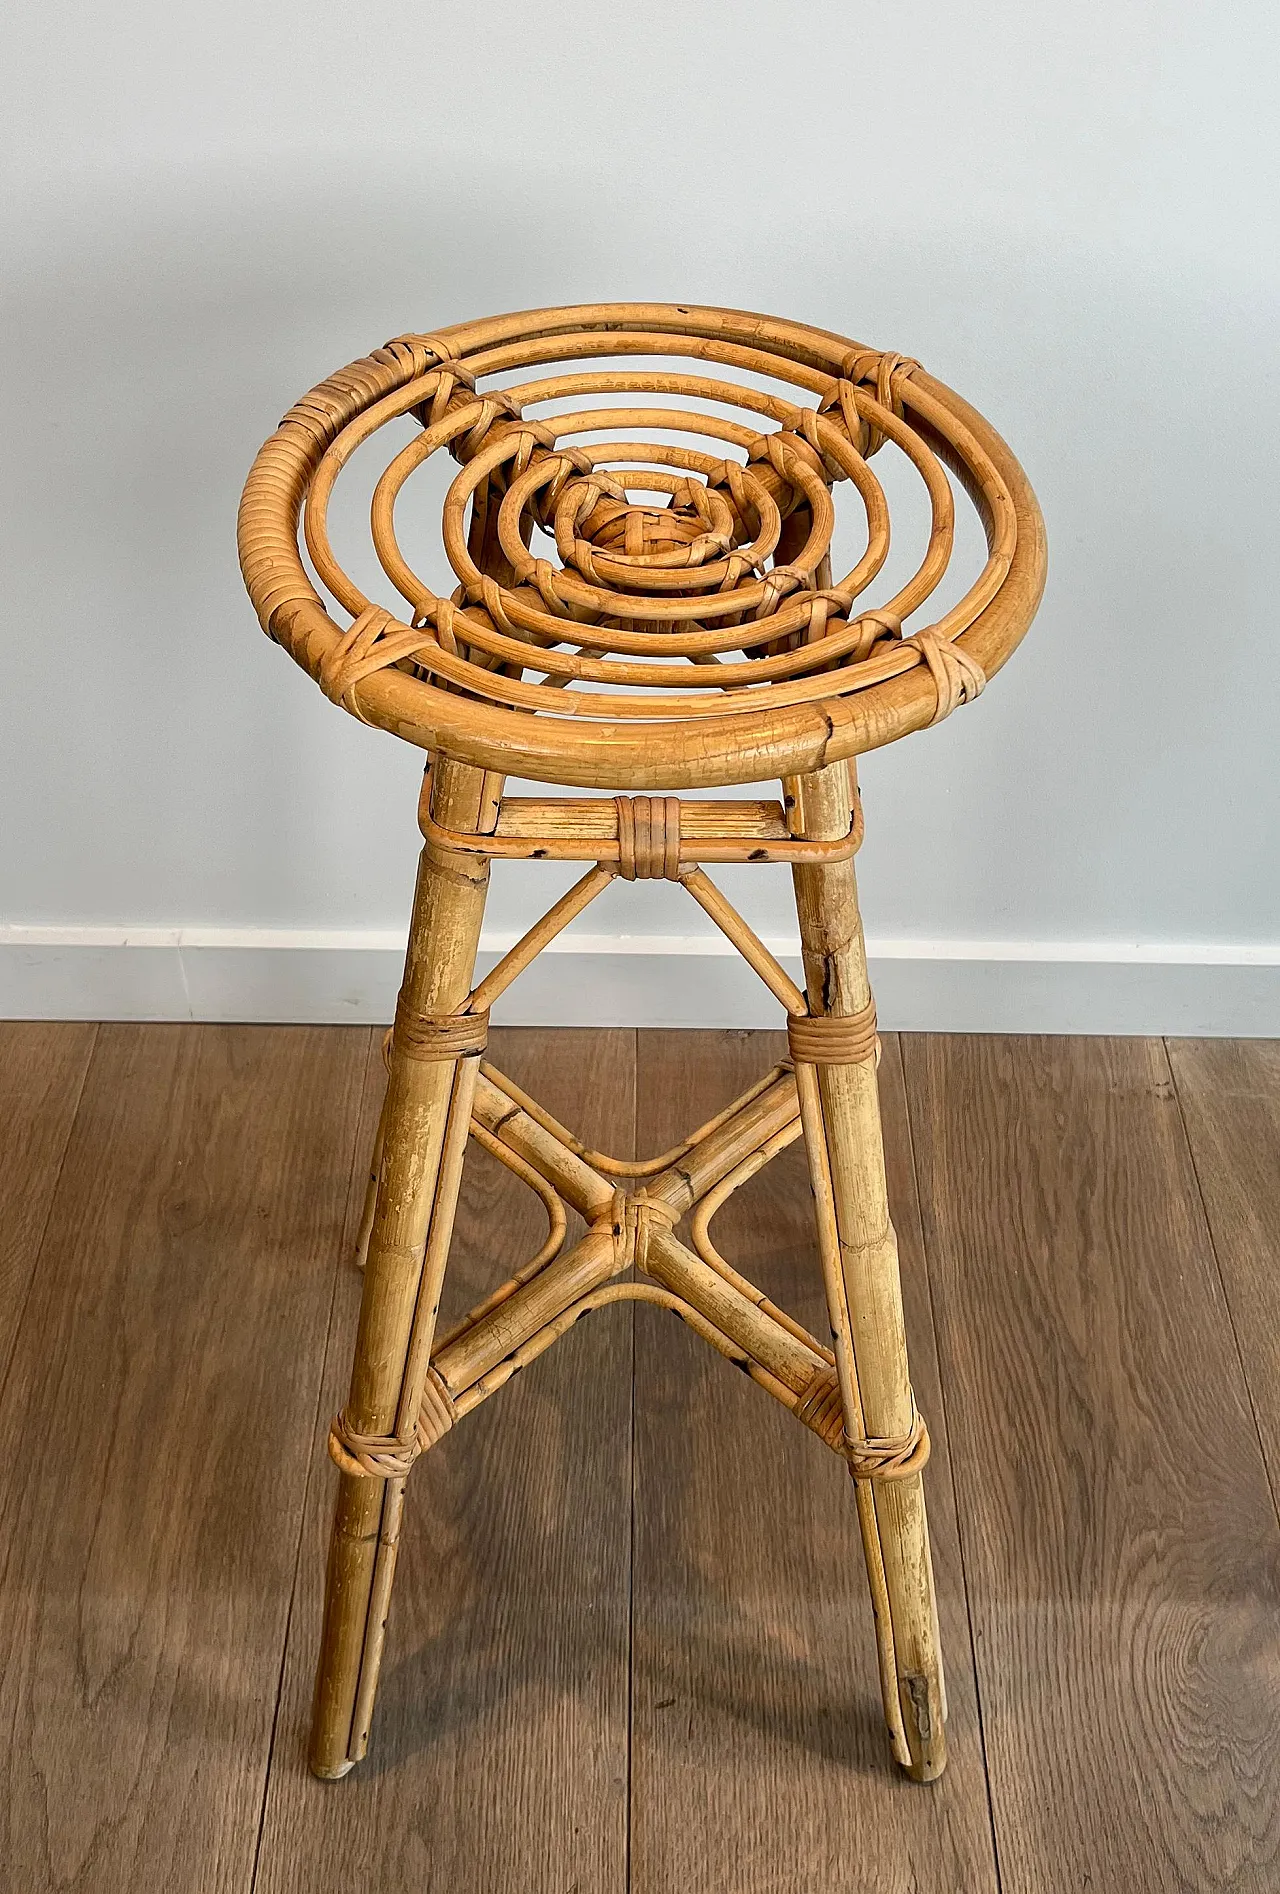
[(630, 1646)]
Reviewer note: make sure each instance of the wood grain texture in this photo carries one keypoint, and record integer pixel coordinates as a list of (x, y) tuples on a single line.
[(759, 1754), (498, 1755), (169, 1255), (42, 1068), (1120, 1541), (154, 1433), (1229, 1090)]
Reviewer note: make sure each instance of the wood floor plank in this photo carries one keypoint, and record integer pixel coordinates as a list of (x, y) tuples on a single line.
[(498, 1755), (760, 1758), (42, 1068), (1229, 1090), (1119, 1536), (154, 1437)]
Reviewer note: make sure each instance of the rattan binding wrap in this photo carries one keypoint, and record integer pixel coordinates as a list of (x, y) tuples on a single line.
[(832, 1039), (822, 1410), (648, 837), (385, 1456), (440, 1036)]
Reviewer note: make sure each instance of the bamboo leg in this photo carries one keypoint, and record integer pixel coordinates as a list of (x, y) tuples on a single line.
[(424, 1129), (841, 1113), (370, 1198)]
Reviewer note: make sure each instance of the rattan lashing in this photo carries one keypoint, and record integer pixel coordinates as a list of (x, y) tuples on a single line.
[(687, 639)]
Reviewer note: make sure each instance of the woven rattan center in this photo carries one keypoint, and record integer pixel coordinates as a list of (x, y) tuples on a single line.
[(644, 533)]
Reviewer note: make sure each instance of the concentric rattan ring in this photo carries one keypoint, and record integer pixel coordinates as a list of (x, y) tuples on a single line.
[(694, 635)]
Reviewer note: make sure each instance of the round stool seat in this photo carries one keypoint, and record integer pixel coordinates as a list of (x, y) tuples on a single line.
[(644, 590)]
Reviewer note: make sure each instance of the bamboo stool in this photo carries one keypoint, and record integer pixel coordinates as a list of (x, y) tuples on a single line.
[(693, 641)]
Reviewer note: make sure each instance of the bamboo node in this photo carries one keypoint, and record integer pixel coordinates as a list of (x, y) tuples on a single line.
[(832, 1039), (438, 1036), (387, 1456)]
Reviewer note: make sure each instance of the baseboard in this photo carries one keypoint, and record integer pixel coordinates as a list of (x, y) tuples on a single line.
[(254, 974)]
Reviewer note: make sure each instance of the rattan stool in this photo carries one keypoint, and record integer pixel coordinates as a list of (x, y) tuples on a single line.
[(694, 641)]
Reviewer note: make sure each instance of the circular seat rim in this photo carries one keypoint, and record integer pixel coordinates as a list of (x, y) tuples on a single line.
[(736, 748)]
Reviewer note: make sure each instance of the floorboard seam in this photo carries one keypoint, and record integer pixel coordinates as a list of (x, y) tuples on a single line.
[(1222, 1280), (310, 1471), (951, 1469)]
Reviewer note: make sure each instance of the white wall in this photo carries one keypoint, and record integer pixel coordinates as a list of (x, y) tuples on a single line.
[(1068, 213)]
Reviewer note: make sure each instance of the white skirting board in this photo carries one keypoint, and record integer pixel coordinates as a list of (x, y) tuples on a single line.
[(253, 974)]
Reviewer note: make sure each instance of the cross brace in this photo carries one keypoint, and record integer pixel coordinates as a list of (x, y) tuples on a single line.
[(636, 1229), (523, 1317)]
